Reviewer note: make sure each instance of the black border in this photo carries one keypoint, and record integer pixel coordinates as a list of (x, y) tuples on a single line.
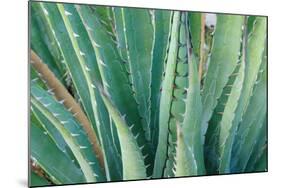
[(103, 5)]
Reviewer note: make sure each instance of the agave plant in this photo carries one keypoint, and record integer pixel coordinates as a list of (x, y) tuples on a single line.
[(127, 93)]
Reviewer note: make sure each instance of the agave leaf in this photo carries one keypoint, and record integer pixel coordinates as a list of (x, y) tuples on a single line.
[(250, 140), (166, 98), (191, 125), (109, 141), (189, 151), (219, 137), (195, 26), (197, 35), (162, 24), (251, 124), (254, 58), (44, 41), (114, 77), (51, 159), (178, 92), (39, 119), (77, 47), (259, 149), (223, 60), (75, 65), (37, 180), (133, 160), (211, 148), (227, 129), (250, 23), (106, 17), (206, 51), (45, 122), (61, 94), (80, 40), (35, 78), (74, 24), (70, 130), (185, 159), (140, 58), (82, 71), (119, 32), (112, 159), (261, 165)]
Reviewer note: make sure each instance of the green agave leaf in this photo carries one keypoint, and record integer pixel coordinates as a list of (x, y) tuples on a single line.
[(39, 119), (106, 16), (224, 57), (178, 93), (254, 58), (119, 32), (191, 125), (185, 159), (61, 94), (133, 160), (250, 140), (140, 58), (77, 49), (44, 41), (74, 57), (37, 180), (166, 98), (261, 165), (221, 130), (35, 78), (197, 34), (75, 25), (205, 54), (45, 122), (195, 22), (259, 149), (211, 149), (255, 49), (250, 23), (109, 140), (81, 62), (114, 77), (192, 118), (193, 111), (70, 130), (211, 153), (80, 40), (227, 129), (51, 159), (75, 64), (252, 123), (162, 24)]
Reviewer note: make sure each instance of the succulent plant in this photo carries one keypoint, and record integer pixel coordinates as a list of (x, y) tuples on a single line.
[(129, 93)]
